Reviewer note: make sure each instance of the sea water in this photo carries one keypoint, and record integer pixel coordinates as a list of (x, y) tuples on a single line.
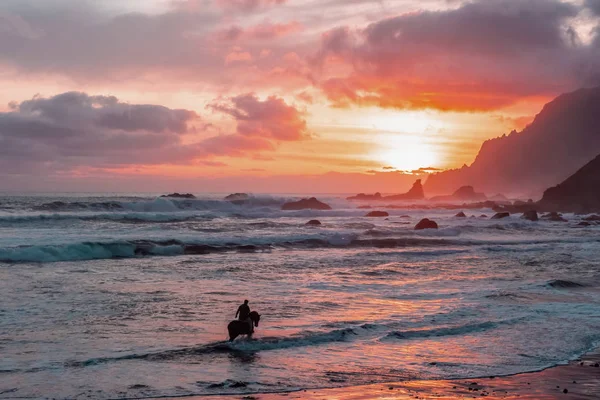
[(130, 296)]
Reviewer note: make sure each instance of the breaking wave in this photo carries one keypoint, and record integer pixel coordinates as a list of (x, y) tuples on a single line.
[(141, 248)]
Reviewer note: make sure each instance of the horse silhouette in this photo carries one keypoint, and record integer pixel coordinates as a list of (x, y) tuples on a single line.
[(237, 328)]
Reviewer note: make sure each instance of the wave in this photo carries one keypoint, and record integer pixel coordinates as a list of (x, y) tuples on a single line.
[(116, 217), (172, 247), (239, 346), (564, 284), (445, 331), (160, 204), (92, 250)]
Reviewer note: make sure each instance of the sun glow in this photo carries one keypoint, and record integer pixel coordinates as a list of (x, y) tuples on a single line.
[(407, 152)]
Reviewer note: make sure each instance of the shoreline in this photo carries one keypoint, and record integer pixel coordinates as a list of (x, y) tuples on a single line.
[(580, 378)]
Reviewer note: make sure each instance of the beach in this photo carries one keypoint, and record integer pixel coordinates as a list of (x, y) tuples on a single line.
[(579, 379)]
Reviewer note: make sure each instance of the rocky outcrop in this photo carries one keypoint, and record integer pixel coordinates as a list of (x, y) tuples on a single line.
[(426, 223), (415, 193), (306, 204), (554, 217), (464, 193), (560, 140), (377, 214), (501, 215), (365, 197), (579, 193), (179, 195), (313, 222), (461, 215), (530, 215), (237, 197)]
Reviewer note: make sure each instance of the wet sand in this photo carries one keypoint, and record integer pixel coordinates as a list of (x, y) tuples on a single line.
[(580, 379)]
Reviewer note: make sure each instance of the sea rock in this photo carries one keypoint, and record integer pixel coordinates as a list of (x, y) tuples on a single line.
[(426, 223), (464, 193), (179, 195), (365, 197), (237, 197), (483, 216), (314, 222), (461, 215), (306, 204), (584, 223), (377, 214), (501, 215), (499, 198), (530, 215), (554, 217), (592, 218), (415, 193)]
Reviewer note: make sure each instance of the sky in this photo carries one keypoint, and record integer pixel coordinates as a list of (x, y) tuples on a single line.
[(274, 95)]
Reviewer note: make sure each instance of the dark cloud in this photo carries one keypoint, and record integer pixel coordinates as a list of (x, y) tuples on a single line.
[(75, 129), (480, 56), (593, 5), (271, 118)]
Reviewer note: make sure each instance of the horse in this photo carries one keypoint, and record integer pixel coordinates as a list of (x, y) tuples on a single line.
[(237, 327)]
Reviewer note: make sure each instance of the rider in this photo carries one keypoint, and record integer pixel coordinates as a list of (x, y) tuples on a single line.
[(244, 314)]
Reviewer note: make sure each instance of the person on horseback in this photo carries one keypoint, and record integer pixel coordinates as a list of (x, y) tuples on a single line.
[(243, 314)]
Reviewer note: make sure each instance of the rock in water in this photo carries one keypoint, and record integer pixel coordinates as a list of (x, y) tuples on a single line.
[(592, 218), (415, 193), (463, 193), (554, 217), (461, 215), (314, 222), (530, 215), (363, 197), (426, 223), (306, 204), (237, 197), (501, 215), (377, 214), (179, 195)]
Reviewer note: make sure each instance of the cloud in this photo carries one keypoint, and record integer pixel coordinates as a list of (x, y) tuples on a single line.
[(238, 56), (74, 129), (593, 5), (248, 5), (271, 118), (481, 56), (264, 31)]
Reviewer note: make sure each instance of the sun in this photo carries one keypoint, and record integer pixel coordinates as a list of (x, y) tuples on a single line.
[(406, 152)]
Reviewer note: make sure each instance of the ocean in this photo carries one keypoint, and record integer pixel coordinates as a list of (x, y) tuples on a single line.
[(113, 296)]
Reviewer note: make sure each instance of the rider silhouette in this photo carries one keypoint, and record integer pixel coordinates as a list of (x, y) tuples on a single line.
[(244, 314)]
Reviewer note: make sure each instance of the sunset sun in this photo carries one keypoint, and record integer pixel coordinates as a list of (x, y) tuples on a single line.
[(407, 152)]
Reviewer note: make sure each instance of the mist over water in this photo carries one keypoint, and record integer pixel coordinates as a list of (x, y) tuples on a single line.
[(115, 297)]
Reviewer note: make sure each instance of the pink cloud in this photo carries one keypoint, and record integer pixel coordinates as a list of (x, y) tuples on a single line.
[(238, 56), (482, 55), (75, 130), (248, 5), (271, 118)]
